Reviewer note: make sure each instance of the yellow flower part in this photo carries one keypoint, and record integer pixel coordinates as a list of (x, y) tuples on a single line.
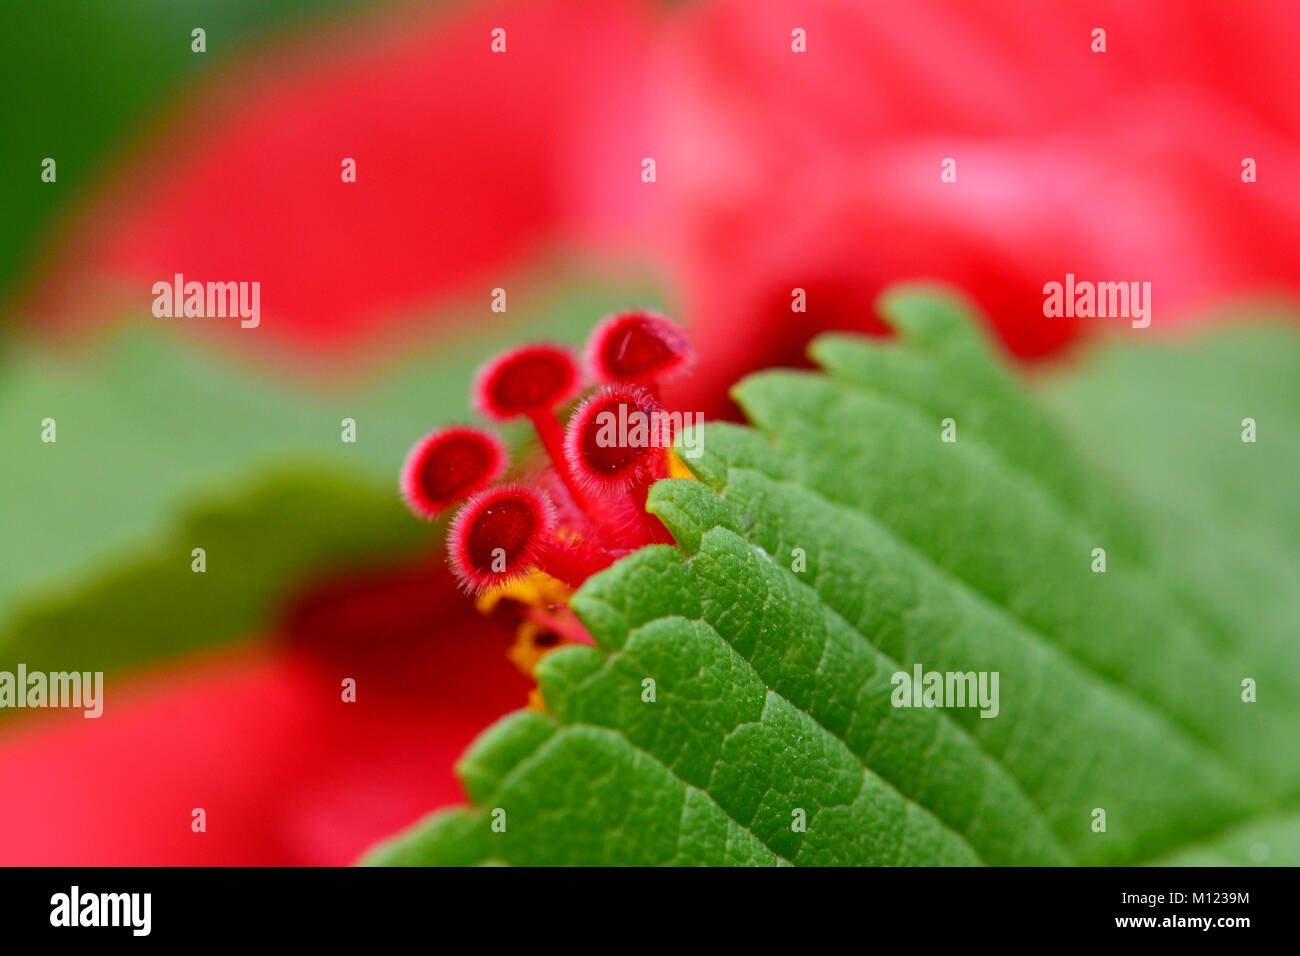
[(677, 468), (535, 589), (532, 643)]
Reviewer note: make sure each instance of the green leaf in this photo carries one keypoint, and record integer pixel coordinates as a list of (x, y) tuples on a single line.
[(162, 449), (151, 605), (840, 541), (148, 425)]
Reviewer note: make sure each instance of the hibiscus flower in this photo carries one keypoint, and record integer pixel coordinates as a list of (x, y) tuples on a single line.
[(777, 171)]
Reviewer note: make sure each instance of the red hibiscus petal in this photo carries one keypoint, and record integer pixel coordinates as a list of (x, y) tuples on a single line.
[(286, 771), (821, 170), (467, 161)]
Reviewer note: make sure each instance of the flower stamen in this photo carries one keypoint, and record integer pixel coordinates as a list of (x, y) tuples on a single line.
[(531, 544), (637, 348), (447, 466)]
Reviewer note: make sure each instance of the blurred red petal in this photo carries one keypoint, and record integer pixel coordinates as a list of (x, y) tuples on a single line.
[(821, 170), (466, 162), (287, 772)]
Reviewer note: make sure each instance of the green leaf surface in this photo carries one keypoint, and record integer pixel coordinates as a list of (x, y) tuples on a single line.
[(840, 541), (258, 544)]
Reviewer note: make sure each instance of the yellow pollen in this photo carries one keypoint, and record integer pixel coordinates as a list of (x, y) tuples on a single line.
[(536, 589), (532, 643)]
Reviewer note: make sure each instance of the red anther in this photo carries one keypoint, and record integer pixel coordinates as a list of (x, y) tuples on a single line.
[(449, 465), (530, 380), (498, 535), (616, 439), (639, 348)]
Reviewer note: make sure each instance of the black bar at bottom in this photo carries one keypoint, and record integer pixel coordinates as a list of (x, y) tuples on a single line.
[(328, 906)]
